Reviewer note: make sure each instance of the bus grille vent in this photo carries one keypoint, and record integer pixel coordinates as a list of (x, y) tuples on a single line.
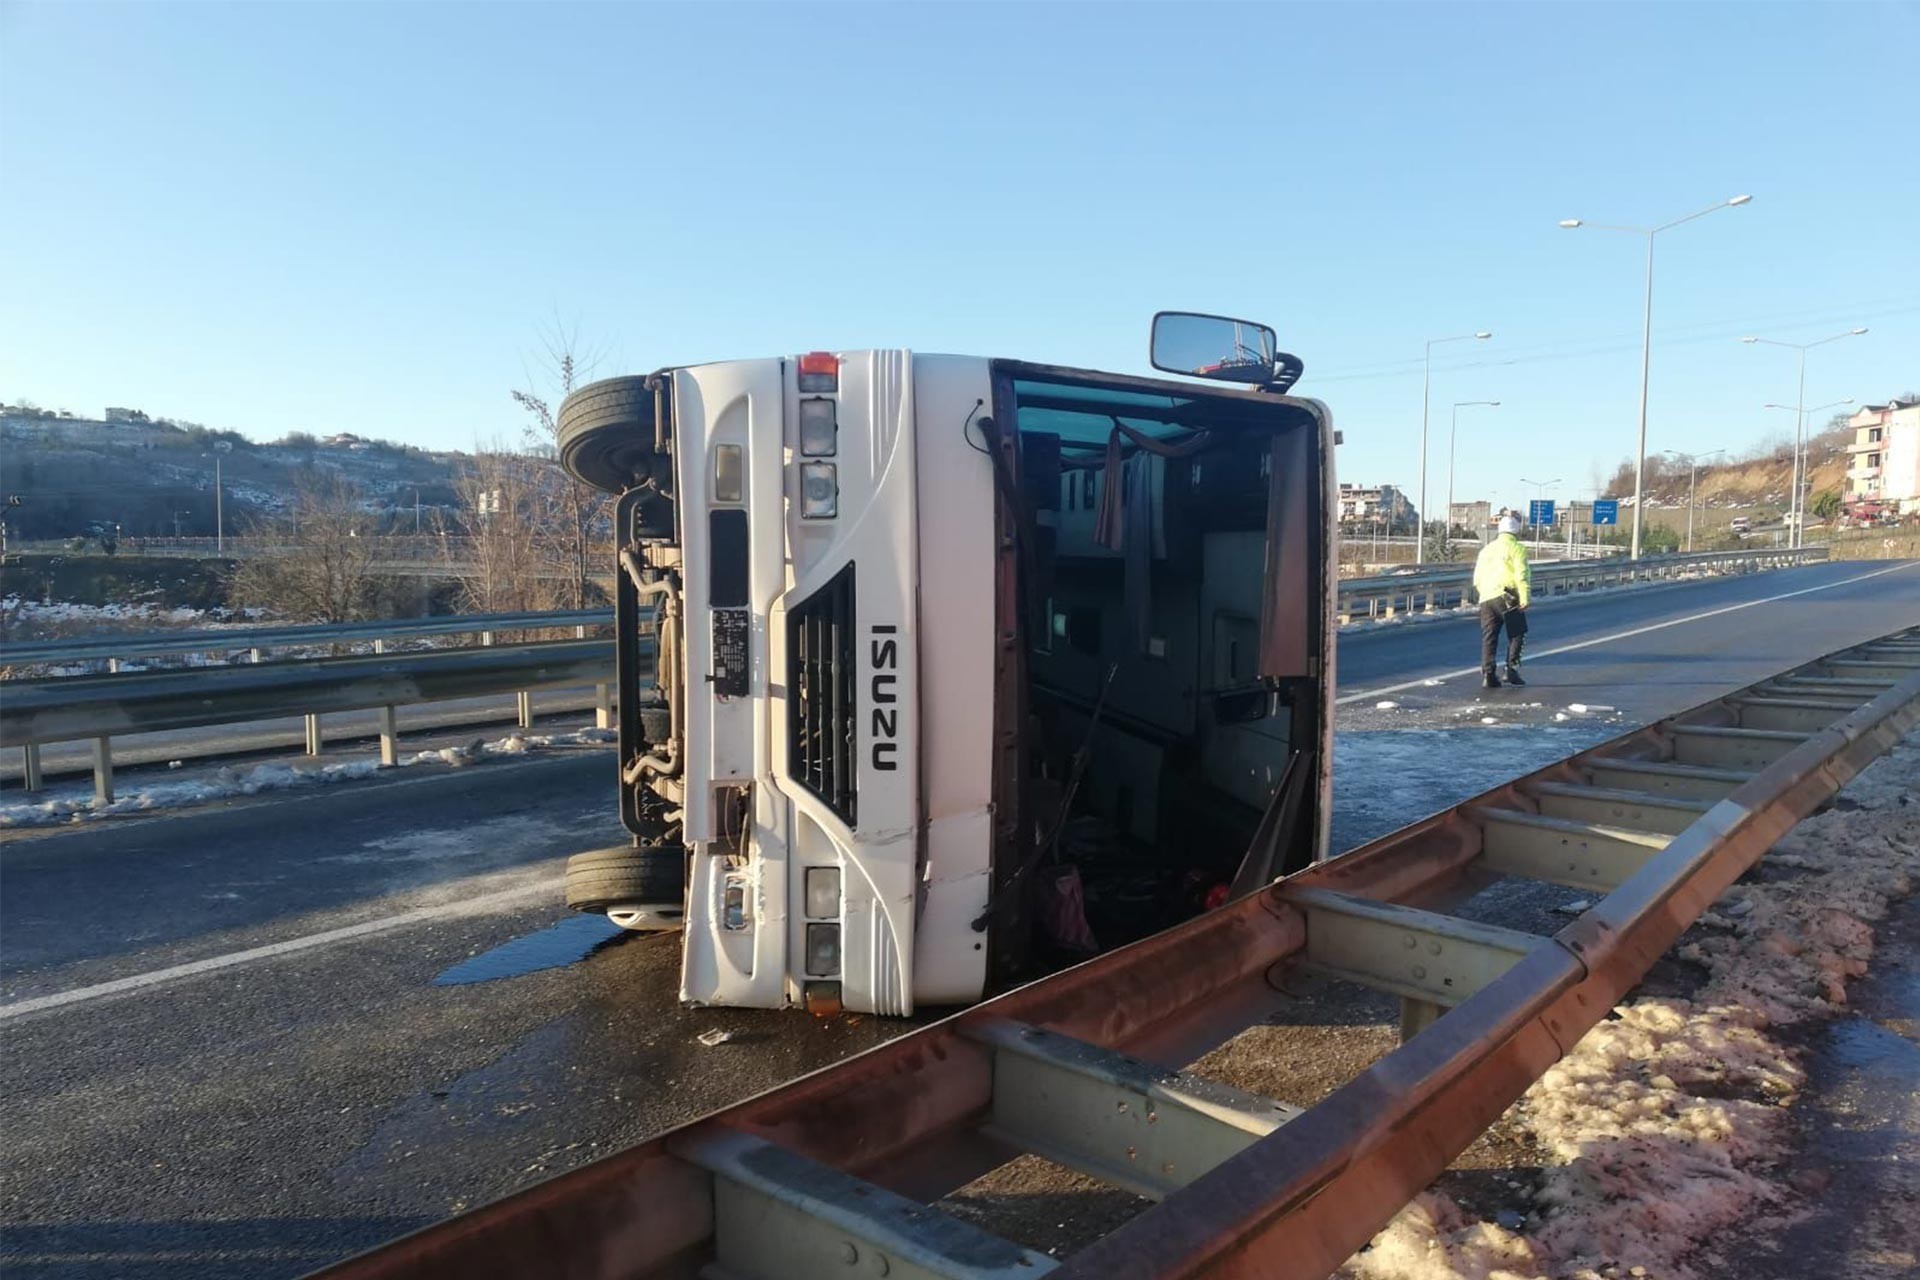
[(820, 692)]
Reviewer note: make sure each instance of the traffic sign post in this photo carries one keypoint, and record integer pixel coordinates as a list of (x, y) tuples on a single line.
[(1540, 511), (1606, 511)]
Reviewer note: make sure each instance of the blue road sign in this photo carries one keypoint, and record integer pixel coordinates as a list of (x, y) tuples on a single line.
[(1606, 511), (1540, 511)]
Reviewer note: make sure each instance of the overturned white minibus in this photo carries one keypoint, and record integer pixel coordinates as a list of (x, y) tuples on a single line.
[(937, 671)]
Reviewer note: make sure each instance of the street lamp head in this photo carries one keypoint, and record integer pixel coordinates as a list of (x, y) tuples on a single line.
[(1749, 340), (1483, 335), (1570, 223), (1739, 200), (1860, 330), (1496, 403)]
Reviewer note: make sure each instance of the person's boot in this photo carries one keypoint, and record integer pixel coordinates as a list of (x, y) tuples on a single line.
[(1513, 675), (1488, 680)]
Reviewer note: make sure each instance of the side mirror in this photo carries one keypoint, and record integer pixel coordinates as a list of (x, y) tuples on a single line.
[(1216, 347)]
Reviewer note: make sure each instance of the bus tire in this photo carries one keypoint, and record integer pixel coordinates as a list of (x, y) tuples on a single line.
[(652, 875), (605, 434)]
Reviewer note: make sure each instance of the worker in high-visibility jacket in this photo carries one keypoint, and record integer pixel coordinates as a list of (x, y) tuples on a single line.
[(1503, 581)]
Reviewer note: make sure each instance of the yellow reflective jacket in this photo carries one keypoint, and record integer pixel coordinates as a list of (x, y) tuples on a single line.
[(1502, 566)]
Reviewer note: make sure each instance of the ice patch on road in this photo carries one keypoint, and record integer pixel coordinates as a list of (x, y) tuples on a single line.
[(1385, 778), (77, 804), (1385, 704)]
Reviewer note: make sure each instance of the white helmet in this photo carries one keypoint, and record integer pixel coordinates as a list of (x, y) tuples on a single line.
[(1510, 523)]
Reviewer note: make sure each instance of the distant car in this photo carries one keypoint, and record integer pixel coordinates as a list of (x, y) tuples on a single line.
[(1742, 525)]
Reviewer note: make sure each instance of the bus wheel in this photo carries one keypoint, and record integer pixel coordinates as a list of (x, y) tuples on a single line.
[(605, 434), (642, 889)]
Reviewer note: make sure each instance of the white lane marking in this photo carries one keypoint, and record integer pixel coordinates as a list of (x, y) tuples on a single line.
[(419, 915), (1625, 635)]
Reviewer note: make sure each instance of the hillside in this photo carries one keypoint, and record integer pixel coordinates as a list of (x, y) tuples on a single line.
[(155, 479), (1756, 484)]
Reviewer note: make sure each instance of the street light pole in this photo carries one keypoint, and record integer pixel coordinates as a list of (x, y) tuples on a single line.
[(1693, 464), (1453, 434), (1796, 536), (1802, 475), (1426, 397), (1646, 344), (1540, 488)]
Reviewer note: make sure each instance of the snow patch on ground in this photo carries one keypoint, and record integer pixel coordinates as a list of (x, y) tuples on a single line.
[(24, 610), (1668, 1126), (77, 804)]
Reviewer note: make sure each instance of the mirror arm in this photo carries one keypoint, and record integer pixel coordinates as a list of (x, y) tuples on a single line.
[(1287, 369)]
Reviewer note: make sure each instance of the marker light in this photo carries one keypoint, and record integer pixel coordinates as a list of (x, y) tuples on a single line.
[(820, 371), (819, 432), (823, 950), (728, 473), (733, 904), (819, 491), (823, 893)]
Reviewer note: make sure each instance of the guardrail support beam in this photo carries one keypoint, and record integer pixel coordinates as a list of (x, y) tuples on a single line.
[(30, 766), (1580, 855), (1431, 961), (523, 700), (778, 1214), (313, 734), (1126, 1121), (389, 737), (1665, 779), (603, 705), (103, 770)]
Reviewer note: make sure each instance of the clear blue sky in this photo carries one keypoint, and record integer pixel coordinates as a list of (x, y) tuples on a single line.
[(353, 216)]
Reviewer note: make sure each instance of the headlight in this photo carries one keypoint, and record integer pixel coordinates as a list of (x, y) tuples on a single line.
[(823, 893), (819, 431), (729, 473), (823, 950), (819, 491)]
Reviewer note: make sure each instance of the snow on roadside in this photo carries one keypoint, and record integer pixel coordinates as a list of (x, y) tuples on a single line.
[(77, 804), (1669, 1126), (23, 610)]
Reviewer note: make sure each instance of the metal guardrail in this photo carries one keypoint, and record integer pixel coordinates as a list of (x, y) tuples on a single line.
[(260, 640), (99, 708), (831, 1175), (1431, 589)]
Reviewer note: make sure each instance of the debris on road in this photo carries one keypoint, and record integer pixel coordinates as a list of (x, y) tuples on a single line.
[(717, 1036)]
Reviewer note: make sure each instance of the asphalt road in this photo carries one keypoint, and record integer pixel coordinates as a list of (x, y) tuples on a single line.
[(231, 1046)]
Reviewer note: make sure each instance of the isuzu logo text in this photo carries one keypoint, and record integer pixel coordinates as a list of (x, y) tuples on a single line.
[(884, 753)]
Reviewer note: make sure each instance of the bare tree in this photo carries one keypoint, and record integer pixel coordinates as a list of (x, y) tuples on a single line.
[(315, 563), (575, 524), (502, 555)]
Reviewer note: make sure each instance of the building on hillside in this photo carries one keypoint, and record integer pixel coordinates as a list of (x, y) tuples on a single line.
[(1472, 519), (341, 440), (1366, 504), (124, 417), (1883, 472)]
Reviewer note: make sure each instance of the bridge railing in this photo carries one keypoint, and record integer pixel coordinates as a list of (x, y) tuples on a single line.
[(1446, 586)]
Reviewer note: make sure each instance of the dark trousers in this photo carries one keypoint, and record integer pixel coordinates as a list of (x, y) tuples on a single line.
[(1501, 611)]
